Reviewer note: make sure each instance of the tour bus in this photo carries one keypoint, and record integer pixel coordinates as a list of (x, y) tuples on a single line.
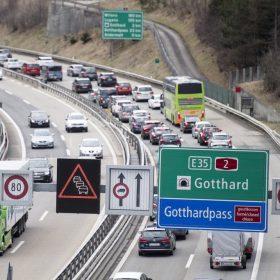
[(51, 72), (183, 96)]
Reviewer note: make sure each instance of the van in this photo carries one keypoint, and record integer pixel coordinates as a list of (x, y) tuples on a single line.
[(51, 73)]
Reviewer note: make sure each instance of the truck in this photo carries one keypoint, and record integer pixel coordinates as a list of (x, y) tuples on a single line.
[(229, 248), (12, 218)]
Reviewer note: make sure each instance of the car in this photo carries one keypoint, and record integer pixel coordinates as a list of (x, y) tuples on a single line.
[(156, 132), (1, 74), (81, 85), (130, 276), (42, 170), (220, 139), (135, 123), (187, 123), (3, 58), (197, 126), (103, 96), (148, 125), (113, 99), (93, 94), (116, 105), (52, 72), (42, 138), (205, 134), (126, 111), (155, 207), (142, 92), (170, 139), (74, 70), (141, 114), (91, 147), (106, 79), (38, 119), (123, 88), (30, 68), (76, 121), (44, 60), (88, 72), (154, 239), (6, 52), (155, 102), (12, 64)]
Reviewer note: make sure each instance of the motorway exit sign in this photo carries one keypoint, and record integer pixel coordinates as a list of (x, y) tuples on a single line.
[(222, 189), (122, 25)]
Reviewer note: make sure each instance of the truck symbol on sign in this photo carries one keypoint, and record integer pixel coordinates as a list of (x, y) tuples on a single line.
[(121, 190), (80, 185)]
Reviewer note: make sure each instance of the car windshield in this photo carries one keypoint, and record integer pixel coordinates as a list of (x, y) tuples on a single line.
[(38, 163), (162, 130), (154, 233), (145, 89), (41, 132), (157, 97), (170, 137), (76, 117), (139, 120), (90, 70), (108, 75), (140, 114), (33, 65), (221, 137), (83, 81), (78, 67), (124, 84), (39, 115), (90, 143)]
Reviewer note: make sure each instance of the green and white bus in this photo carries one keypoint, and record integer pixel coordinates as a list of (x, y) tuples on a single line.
[(183, 96)]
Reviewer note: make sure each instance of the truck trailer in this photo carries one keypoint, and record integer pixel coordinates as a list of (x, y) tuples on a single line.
[(12, 218), (229, 248)]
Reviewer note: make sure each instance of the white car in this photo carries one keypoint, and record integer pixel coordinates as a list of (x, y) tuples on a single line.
[(220, 139), (197, 126), (42, 138), (117, 106), (141, 114), (44, 60), (130, 276), (155, 101), (74, 70), (76, 121), (91, 147), (143, 92), (13, 64), (1, 74)]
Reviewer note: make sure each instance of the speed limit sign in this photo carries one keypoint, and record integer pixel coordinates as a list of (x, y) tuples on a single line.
[(17, 188)]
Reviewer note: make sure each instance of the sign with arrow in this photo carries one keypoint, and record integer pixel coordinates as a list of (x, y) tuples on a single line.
[(129, 190)]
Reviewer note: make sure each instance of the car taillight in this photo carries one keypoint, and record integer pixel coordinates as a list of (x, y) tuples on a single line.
[(186, 124), (209, 250), (165, 240), (154, 205), (179, 115), (161, 142), (143, 240), (145, 129), (237, 263), (138, 92), (196, 129), (153, 134)]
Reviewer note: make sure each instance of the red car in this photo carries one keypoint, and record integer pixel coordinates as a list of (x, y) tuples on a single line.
[(124, 88), (32, 69)]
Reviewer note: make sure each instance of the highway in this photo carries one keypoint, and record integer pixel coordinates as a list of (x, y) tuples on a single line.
[(190, 259)]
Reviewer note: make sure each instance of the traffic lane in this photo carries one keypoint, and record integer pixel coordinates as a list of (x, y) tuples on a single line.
[(163, 266)]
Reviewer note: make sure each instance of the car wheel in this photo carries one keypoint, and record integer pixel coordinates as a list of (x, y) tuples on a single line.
[(211, 263), (140, 253), (32, 147), (86, 129), (151, 219), (171, 253)]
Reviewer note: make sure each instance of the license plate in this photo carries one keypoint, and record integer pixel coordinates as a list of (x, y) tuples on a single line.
[(154, 244), (227, 263)]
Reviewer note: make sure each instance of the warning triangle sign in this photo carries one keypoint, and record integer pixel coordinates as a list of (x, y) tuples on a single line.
[(78, 186)]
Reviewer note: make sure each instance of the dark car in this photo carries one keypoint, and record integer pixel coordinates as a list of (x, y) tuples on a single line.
[(42, 170), (88, 72), (170, 139), (146, 128), (205, 134), (156, 132), (31, 69), (103, 96), (153, 239), (124, 88), (82, 85), (126, 111), (187, 123), (135, 123), (38, 119), (107, 79)]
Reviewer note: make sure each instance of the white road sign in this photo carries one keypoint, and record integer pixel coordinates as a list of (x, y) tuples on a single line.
[(129, 190), (16, 187), (275, 210)]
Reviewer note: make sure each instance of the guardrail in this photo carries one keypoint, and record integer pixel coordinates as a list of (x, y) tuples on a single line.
[(4, 139)]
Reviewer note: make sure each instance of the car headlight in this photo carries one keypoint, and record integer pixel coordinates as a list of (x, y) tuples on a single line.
[(47, 172), (32, 121)]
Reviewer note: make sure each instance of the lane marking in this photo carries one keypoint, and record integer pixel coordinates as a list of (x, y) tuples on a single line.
[(9, 92), (189, 261), (62, 137), (17, 247), (258, 257), (26, 101), (54, 124), (68, 152), (43, 216)]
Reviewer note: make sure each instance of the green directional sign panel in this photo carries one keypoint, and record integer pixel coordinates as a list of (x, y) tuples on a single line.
[(213, 174), (122, 25)]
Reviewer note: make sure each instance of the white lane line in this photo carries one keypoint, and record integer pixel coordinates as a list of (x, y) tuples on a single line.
[(54, 124), (62, 137), (9, 92), (68, 152), (258, 257), (23, 147), (17, 247), (26, 101), (189, 261), (43, 216)]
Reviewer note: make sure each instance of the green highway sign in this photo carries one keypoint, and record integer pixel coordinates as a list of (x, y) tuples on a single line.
[(122, 25), (213, 174)]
